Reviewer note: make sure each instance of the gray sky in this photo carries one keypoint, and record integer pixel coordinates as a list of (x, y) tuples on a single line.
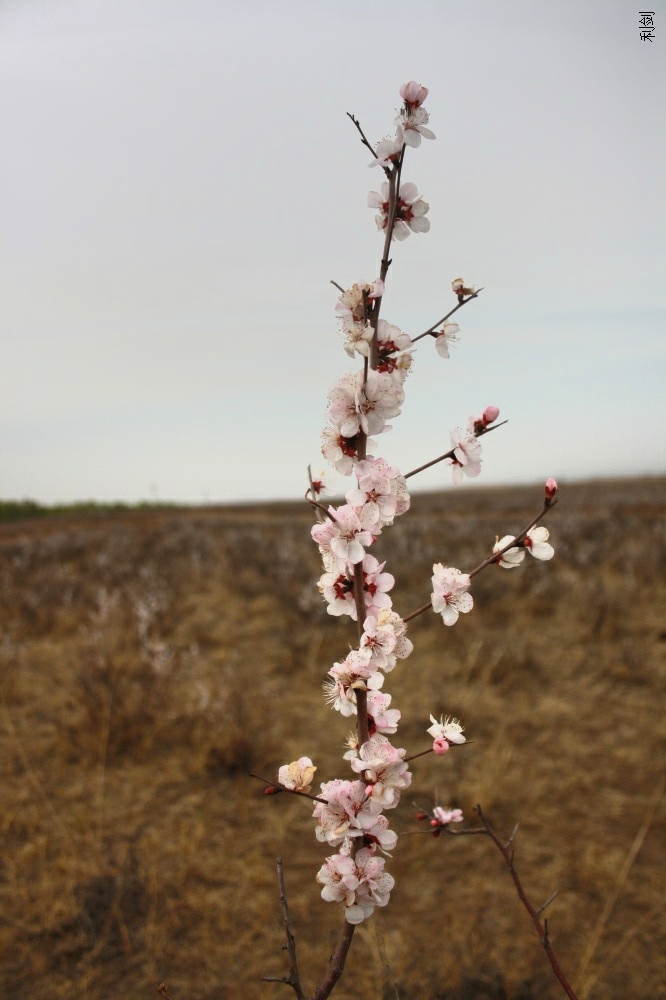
[(179, 184)]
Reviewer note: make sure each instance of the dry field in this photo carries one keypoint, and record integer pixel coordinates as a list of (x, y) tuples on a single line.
[(150, 660)]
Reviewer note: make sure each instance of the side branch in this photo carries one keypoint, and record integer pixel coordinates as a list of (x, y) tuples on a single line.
[(541, 929), (431, 330), (293, 979), (450, 452), (549, 503)]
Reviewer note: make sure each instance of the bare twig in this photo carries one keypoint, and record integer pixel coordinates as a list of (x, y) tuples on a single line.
[(293, 979), (362, 134), (541, 929), (289, 791)]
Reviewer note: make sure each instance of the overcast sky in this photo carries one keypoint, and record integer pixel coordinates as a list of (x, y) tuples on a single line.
[(180, 183)]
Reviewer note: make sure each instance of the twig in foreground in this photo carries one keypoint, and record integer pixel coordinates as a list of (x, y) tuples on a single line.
[(293, 979)]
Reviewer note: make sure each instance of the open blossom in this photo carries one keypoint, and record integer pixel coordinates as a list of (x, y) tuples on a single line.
[(445, 816), (298, 775), (410, 210), (348, 811), (411, 126), (337, 589), (344, 534), (360, 883), (392, 346), (537, 544), (373, 493), (384, 769), (385, 636), (513, 556), (340, 451), (466, 455), (446, 337), (319, 485), (450, 597), (447, 730), (352, 310), (388, 152), (355, 672)]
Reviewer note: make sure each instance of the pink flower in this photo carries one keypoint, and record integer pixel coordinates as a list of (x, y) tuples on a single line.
[(409, 213), (551, 488), (348, 811), (383, 767), (450, 597), (320, 487), (341, 451), (413, 94), (478, 425), (360, 883), (355, 672), (446, 816), (440, 746), (337, 589), (373, 493)]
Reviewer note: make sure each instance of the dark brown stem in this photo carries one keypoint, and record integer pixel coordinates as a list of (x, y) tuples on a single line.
[(449, 453), (336, 964), (339, 287), (293, 979), (439, 322), (541, 929), (362, 134)]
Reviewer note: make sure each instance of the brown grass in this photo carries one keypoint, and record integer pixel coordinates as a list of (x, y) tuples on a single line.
[(150, 660)]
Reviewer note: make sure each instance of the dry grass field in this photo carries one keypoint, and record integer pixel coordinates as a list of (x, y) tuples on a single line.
[(149, 660)]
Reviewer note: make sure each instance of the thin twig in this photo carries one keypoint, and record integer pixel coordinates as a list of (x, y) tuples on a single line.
[(290, 791), (339, 287), (450, 452), (541, 929), (362, 134), (293, 979), (430, 331)]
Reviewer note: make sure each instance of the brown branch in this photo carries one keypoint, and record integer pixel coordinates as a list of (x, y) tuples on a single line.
[(541, 929), (293, 979), (362, 134), (431, 330), (290, 791), (336, 963)]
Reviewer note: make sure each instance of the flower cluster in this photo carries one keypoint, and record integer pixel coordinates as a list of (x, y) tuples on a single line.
[(350, 814)]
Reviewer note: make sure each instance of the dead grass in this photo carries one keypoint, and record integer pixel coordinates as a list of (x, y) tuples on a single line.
[(150, 660)]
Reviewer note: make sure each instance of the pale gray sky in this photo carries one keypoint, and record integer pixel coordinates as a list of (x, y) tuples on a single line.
[(179, 184)]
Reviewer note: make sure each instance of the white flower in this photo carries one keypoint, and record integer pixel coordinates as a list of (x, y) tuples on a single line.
[(448, 335), (412, 125), (447, 728), (450, 597), (513, 557), (388, 152), (446, 816), (409, 212), (466, 455), (536, 543)]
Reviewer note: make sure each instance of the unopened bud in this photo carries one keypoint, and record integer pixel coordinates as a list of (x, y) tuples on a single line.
[(421, 815), (435, 823), (413, 94), (440, 746), (490, 414), (272, 790), (551, 488)]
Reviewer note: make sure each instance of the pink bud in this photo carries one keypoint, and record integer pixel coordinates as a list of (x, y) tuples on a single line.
[(490, 414), (413, 94), (435, 823), (551, 488), (440, 746), (421, 815)]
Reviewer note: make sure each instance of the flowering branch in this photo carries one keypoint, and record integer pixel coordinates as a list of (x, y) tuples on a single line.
[(451, 452), (542, 929), (431, 330)]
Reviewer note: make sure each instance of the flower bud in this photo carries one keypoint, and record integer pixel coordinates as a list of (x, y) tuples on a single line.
[(413, 94), (421, 815), (490, 414), (435, 823), (551, 488), (440, 746)]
